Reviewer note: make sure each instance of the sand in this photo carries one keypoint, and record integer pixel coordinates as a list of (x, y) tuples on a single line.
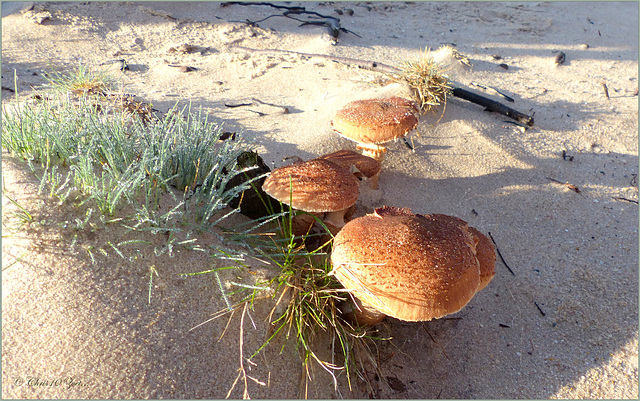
[(563, 325)]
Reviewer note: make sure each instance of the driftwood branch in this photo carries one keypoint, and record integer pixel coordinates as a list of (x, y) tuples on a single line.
[(332, 23), (488, 104), (492, 105)]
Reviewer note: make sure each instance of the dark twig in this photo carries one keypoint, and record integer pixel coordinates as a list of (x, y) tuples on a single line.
[(285, 109), (238, 105), (566, 184), (619, 198), (254, 101), (539, 309), (500, 254), (492, 105), (489, 88), (250, 3), (435, 342), (606, 90), (565, 156), (519, 124), (332, 23), (407, 144)]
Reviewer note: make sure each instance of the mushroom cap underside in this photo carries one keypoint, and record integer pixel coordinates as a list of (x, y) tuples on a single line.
[(314, 186), (407, 266)]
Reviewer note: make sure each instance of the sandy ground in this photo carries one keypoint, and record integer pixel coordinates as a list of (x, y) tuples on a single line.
[(564, 325)]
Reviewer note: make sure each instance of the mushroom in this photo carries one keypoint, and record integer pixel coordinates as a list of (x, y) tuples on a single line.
[(374, 122), (485, 251), (365, 165), (404, 265), (317, 186)]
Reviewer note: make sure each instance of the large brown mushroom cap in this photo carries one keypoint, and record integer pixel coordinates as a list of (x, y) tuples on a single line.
[(485, 251), (313, 186), (376, 121), (407, 266)]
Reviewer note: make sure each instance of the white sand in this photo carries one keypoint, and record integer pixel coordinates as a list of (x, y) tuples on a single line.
[(575, 255)]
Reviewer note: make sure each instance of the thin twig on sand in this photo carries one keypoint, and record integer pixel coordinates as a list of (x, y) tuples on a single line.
[(500, 255), (566, 184)]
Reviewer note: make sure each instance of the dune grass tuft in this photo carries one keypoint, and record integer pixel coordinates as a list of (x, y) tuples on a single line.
[(115, 158), (431, 87), (308, 302)]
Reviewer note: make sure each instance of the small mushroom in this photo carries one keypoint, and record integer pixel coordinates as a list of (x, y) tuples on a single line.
[(318, 186), (365, 165), (404, 265), (373, 122)]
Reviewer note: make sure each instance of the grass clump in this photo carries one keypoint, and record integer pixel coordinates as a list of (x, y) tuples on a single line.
[(423, 76), (80, 82), (99, 88), (308, 303), (115, 158)]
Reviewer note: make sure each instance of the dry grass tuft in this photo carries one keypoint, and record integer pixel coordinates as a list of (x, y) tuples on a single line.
[(431, 87)]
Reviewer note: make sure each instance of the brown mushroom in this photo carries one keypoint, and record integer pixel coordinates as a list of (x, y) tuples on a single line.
[(408, 266), (365, 165), (374, 122), (318, 185), (485, 251)]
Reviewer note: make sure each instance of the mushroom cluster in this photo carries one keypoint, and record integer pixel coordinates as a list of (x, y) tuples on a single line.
[(409, 266), (395, 263)]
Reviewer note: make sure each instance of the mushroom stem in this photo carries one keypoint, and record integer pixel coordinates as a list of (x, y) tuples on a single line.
[(365, 315), (335, 219), (302, 223), (374, 151), (374, 180)]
